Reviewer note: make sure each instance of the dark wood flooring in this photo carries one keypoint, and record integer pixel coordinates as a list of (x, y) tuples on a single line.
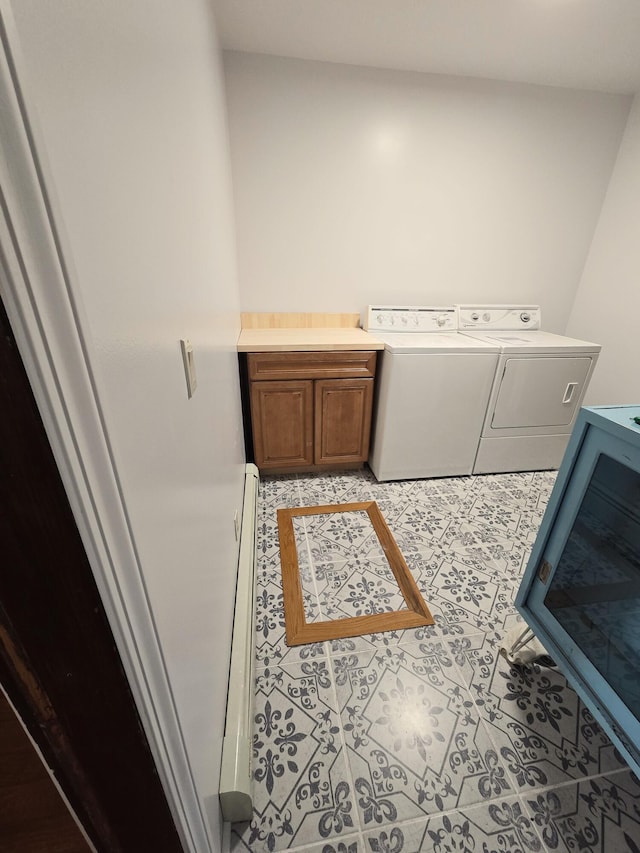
[(33, 816)]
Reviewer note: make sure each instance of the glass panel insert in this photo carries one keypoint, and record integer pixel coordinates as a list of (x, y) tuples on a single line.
[(595, 590), (343, 569)]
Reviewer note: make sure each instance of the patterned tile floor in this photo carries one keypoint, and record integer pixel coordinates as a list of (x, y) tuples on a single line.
[(425, 739)]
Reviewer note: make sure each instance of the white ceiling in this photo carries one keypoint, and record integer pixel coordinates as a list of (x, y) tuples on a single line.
[(586, 44)]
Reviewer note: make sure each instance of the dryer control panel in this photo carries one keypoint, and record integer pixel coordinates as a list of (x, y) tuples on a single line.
[(503, 317), (407, 318)]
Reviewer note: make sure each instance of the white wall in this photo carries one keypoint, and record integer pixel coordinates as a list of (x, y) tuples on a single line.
[(358, 185), (132, 111), (607, 304)]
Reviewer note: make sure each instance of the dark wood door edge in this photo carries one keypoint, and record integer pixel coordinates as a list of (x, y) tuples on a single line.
[(34, 708), (58, 657)]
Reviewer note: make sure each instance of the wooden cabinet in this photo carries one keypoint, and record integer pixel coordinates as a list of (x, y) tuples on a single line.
[(311, 410)]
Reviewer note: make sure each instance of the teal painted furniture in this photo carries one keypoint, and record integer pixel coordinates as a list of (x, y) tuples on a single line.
[(580, 593)]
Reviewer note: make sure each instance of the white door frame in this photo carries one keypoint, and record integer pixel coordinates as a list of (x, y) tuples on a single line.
[(37, 286)]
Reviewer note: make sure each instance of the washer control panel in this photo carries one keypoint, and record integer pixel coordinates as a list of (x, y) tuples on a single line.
[(398, 318), (503, 317)]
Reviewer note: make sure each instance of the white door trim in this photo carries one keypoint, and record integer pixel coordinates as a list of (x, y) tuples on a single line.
[(37, 285)]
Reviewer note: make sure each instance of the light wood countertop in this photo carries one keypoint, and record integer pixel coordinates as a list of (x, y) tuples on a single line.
[(306, 340)]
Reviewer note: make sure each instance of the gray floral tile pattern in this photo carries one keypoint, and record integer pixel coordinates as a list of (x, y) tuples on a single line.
[(595, 814), (414, 739), (424, 739), (543, 731), (497, 827), (301, 792)]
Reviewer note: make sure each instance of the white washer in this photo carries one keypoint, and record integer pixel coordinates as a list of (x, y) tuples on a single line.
[(433, 389), (540, 382)]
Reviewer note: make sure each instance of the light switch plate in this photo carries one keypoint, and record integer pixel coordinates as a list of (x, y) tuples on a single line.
[(189, 366)]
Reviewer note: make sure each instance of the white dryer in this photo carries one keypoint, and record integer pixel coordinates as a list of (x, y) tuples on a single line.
[(539, 385), (433, 387)]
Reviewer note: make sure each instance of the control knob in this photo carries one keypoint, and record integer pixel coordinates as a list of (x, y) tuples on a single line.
[(525, 316), (486, 316), (475, 316)]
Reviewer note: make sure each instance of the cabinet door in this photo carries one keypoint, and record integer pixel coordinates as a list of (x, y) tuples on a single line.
[(583, 594), (282, 420), (342, 420)]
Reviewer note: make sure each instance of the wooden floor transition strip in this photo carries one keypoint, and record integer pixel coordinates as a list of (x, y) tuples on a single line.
[(298, 630)]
